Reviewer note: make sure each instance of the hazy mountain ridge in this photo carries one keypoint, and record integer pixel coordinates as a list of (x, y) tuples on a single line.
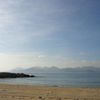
[(56, 69)]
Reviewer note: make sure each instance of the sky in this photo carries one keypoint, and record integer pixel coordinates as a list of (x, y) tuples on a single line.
[(62, 33)]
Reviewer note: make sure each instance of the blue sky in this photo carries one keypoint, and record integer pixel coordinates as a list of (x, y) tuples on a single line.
[(63, 33)]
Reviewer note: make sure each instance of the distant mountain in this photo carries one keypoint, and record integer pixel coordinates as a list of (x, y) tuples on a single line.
[(33, 70), (38, 70)]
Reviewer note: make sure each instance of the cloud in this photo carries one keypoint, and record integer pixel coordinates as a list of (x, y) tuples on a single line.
[(42, 56)]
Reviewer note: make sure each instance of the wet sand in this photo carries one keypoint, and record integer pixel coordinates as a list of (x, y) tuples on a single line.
[(27, 92)]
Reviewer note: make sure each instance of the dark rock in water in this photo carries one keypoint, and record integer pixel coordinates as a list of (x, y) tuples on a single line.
[(14, 75)]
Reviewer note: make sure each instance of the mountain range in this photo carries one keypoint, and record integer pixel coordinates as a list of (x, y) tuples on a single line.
[(32, 70)]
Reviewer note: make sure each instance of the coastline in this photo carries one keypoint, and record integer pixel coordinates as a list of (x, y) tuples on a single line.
[(42, 92)]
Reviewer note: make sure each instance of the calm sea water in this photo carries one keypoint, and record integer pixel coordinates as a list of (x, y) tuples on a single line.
[(75, 79)]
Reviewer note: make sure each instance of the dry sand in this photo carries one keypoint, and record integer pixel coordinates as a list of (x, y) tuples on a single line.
[(25, 92)]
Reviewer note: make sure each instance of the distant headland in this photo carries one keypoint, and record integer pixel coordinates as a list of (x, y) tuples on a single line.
[(14, 75)]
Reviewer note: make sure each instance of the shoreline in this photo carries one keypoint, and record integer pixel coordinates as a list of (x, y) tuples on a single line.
[(46, 85), (42, 92)]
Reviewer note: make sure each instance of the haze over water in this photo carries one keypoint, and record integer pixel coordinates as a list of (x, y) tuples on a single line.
[(75, 77)]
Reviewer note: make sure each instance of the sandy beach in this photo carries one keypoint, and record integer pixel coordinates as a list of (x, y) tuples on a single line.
[(26, 92)]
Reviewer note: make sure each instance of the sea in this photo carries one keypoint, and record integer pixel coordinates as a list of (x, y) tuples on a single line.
[(68, 79)]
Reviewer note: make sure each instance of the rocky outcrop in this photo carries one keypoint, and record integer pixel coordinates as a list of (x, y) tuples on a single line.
[(14, 75)]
